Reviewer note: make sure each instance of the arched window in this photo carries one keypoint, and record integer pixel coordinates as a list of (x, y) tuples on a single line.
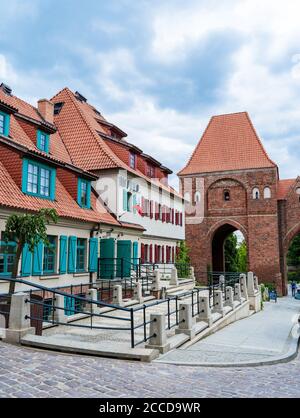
[(187, 197), (298, 191), (267, 193), (255, 193), (226, 195), (197, 197)]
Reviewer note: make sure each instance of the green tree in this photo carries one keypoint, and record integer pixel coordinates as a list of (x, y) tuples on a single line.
[(231, 253), (293, 256), (27, 229), (182, 259), (242, 257)]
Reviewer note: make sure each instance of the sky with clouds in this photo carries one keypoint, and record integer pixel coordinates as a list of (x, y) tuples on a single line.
[(161, 69)]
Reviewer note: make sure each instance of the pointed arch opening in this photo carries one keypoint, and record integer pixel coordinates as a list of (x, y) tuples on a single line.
[(229, 250)]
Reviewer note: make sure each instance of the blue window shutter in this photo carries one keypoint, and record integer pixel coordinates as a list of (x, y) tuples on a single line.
[(79, 191), (134, 203), (38, 259), (26, 261), (69, 305), (125, 208), (72, 255), (93, 254), (52, 183), (24, 175), (89, 186), (63, 254)]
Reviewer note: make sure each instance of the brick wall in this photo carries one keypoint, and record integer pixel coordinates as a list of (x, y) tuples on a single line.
[(256, 219)]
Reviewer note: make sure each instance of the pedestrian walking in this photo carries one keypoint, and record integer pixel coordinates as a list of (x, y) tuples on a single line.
[(294, 287)]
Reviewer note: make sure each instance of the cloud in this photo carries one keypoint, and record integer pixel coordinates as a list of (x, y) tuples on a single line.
[(161, 72)]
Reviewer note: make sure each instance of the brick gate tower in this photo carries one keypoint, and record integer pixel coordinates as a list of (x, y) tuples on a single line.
[(231, 184)]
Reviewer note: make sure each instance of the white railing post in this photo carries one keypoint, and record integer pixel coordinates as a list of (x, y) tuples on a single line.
[(91, 294), (117, 295), (158, 334), (185, 320), (174, 277), (243, 283), (19, 323), (137, 292), (218, 302), (250, 283), (204, 310), (59, 309), (237, 292), (229, 297), (192, 274)]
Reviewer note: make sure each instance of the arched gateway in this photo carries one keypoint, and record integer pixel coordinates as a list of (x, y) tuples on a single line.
[(238, 188)]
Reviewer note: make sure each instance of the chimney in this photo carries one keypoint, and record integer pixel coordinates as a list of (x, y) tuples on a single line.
[(46, 109)]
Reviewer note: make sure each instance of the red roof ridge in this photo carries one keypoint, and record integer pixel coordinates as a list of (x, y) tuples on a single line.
[(259, 141), (194, 152), (219, 134), (105, 148)]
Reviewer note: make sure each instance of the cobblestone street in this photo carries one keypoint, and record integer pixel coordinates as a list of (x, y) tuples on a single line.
[(32, 373)]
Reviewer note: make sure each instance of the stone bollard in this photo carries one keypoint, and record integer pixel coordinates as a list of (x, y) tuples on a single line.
[(59, 314), (185, 320), (158, 333), (19, 324), (117, 295), (243, 283), (222, 282), (91, 307), (250, 283), (253, 293), (237, 293), (229, 297), (255, 280), (204, 310), (137, 292), (155, 288), (192, 274), (174, 277), (218, 302)]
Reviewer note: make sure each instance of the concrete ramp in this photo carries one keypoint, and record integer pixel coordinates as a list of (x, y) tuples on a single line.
[(100, 349)]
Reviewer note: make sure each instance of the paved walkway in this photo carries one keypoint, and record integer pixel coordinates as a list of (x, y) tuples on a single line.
[(262, 337), (28, 372)]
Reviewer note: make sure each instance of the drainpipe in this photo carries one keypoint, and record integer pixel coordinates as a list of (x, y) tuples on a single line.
[(94, 229)]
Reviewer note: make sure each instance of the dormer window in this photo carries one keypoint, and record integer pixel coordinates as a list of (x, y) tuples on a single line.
[(84, 193), (226, 195), (43, 141), (38, 179), (4, 124), (150, 171), (132, 160)]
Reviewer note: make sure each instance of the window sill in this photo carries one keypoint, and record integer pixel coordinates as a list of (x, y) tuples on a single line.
[(80, 273), (50, 276)]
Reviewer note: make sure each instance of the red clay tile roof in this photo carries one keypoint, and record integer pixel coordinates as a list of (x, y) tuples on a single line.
[(284, 187), (79, 124), (229, 142), (12, 196)]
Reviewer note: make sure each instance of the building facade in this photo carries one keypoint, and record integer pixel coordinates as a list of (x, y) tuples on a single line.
[(133, 185), (231, 185), (40, 167)]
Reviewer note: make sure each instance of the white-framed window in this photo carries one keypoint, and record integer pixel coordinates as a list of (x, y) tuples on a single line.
[(187, 197), (197, 197), (267, 193), (255, 193)]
